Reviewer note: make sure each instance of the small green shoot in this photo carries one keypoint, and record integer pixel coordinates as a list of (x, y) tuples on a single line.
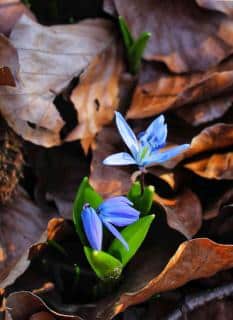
[(134, 47)]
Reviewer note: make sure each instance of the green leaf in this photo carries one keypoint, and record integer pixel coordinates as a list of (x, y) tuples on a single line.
[(142, 202), (137, 49), (106, 267), (134, 235), (127, 36), (85, 194)]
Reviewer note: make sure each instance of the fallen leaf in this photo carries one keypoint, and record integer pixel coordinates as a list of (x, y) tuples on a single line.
[(223, 6), (200, 113), (49, 57), (212, 138), (32, 307), (217, 166), (194, 259), (10, 12), (184, 212), (59, 172), (22, 224), (159, 90), (9, 64), (96, 96), (184, 37), (106, 180)]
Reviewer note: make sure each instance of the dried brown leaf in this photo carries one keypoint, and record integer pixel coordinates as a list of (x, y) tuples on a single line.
[(9, 64), (158, 91), (185, 37), (22, 224), (217, 166), (207, 111), (26, 305), (108, 181), (223, 6), (96, 96), (49, 57), (215, 137), (10, 12), (197, 258), (184, 212)]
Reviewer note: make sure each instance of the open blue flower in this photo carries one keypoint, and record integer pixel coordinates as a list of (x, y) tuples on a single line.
[(117, 211), (145, 150)]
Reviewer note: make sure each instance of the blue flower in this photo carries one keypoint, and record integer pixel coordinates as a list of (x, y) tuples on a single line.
[(113, 212), (145, 149)]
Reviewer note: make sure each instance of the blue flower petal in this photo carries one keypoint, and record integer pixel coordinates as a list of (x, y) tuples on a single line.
[(116, 233), (119, 159), (119, 215), (92, 226), (155, 135), (115, 201), (127, 134), (160, 157)]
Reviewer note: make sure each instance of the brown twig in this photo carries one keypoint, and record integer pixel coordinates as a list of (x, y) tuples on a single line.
[(192, 302)]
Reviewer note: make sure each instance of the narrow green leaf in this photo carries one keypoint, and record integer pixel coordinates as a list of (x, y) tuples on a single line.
[(136, 51), (85, 194), (106, 267), (134, 235), (142, 202), (127, 36)]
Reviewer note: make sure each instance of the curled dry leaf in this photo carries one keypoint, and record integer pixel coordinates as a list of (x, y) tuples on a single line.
[(184, 212), (223, 6), (26, 305), (9, 64), (22, 224), (96, 96), (159, 90), (49, 57), (200, 113), (197, 258), (10, 12), (206, 39), (215, 137), (217, 166)]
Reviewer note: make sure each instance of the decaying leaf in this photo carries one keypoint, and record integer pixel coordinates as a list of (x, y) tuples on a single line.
[(217, 166), (184, 213), (22, 224), (49, 57), (185, 37), (200, 113), (26, 305), (10, 12), (96, 96), (59, 172), (223, 6), (215, 137), (9, 64), (108, 181), (197, 258), (159, 90)]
